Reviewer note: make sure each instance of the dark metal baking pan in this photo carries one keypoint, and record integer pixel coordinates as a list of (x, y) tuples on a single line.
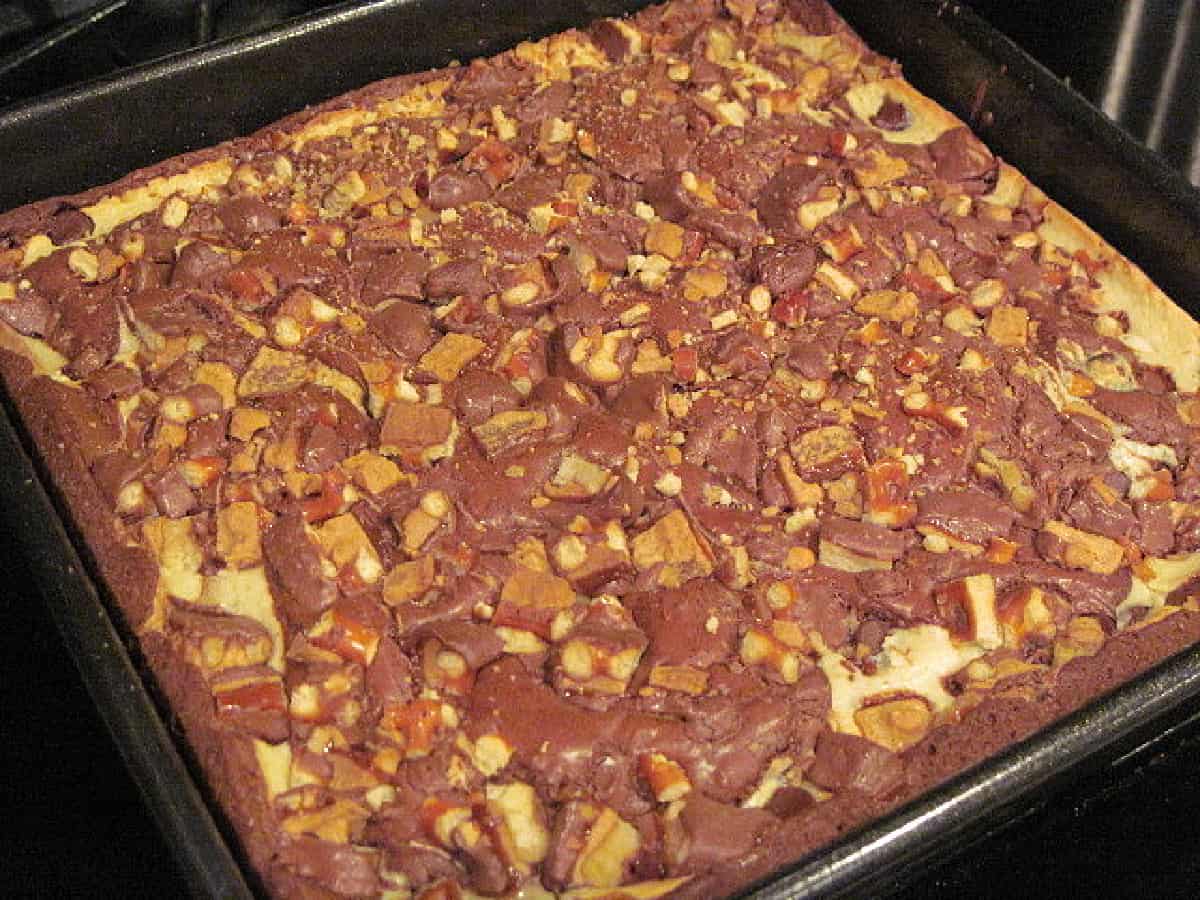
[(79, 138)]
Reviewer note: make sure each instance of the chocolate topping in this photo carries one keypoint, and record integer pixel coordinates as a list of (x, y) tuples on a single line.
[(575, 468)]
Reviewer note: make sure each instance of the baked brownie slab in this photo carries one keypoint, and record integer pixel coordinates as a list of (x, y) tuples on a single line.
[(612, 468)]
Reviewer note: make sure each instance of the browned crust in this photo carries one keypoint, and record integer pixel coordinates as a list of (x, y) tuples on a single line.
[(227, 760)]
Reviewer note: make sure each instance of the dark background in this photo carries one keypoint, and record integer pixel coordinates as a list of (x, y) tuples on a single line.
[(75, 822)]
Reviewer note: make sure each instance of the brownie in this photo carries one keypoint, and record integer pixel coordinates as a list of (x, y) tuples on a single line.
[(614, 468)]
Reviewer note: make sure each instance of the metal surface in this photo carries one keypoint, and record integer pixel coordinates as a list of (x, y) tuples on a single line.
[(1061, 143)]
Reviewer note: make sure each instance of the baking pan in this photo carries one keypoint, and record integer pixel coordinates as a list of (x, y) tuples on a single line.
[(83, 137)]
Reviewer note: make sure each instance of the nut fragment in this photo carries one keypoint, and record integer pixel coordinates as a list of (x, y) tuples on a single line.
[(422, 521), (968, 607), (506, 430), (245, 422), (530, 600), (274, 372), (687, 679), (341, 822), (891, 306), (1010, 475), (666, 778), (1083, 636), (703, 283), (1008, 326), (826, 452), (417, 433), (895, 724), (601, 358), (841, 245), (372, 472), (879, 169), (611, 845), (763, 648), (346, 636), (887, 494), (671, 544), (521, 826), (1025, 613), (836, 280), (445, 359), (960, 318), (665, 238), (921, 405), (577, 479), (84, 264), (1059, 542), (415, 726), (409, 580), (346, 544)]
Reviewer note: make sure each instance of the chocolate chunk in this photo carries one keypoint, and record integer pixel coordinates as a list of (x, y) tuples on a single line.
[(1099, 509), (784, 268), (479, 394), (864, 538), (1151, 418), (609, 37), (892, 116), (691, 626), (172, 495), (400, 274), (709, 834), (246, 217), (1088, 593), (549, 102), (899, 596), (198, 266), (813, 361), (670, 199), (542, 727), (478, 645), (458, 277), (486, 80), (789, 801), (527, 191), (959, 156), (69, 224), (779, 202), (406, 328), (112, 471), (295, 564), (452, 189), (89, 428), (972, 515), (344, 869), (323, 449), (206, 437), (733, 230), (52, 275), (29, 314), (389, 676), (847, 761), (1156, 526), (814, 16), (610, 251), (642, 399)]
